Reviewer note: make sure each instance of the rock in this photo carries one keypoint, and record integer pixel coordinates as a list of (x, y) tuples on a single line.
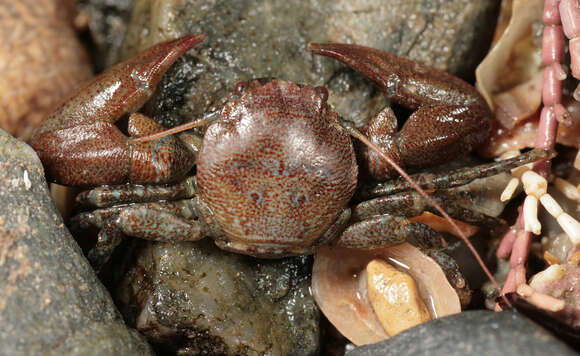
[(41, 61), (50, 300), (252, 39), (192, 298), (479, 332), (108, 21)]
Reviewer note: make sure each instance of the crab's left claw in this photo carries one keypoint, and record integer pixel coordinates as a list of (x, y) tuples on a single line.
[(451, 117)]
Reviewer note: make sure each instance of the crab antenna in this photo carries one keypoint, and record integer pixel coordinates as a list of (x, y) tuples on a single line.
[(208, 119), (358, 135)]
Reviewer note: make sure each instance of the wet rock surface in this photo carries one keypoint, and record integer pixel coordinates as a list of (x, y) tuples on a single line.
[(192, 298), (268, 38), (50, 300), (108, 21), (471, 333)]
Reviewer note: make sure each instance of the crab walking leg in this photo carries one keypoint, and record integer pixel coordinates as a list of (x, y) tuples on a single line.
[(158, 225), (108, 238), (453, 273), (385, 230), (79, 140), (456, 177), (110, 195), (410, 204), (167, 221)]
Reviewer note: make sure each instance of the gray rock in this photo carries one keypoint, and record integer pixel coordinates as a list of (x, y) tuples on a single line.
[(192, 298), (108, 21), (50, 300), (471, 333), (268, 38)]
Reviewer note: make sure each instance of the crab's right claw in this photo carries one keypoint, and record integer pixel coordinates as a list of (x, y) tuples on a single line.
[(79, 143)]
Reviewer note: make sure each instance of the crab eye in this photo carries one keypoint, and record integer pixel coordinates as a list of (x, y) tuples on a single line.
[(241, 88), (323, 92)]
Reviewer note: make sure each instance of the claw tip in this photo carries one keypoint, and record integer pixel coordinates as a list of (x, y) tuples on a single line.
[(193, 39), (312, 46), (317, 48)]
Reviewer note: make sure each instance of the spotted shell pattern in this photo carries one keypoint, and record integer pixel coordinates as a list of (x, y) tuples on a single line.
[(277, 168)]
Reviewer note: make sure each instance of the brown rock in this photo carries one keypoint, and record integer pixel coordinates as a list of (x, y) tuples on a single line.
[(41, 61)]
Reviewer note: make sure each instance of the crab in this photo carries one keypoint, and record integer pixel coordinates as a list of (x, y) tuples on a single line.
[(276, 169)]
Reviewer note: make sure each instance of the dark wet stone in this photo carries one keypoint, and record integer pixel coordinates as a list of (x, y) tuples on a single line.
[(108, 21), (268, 38), (192, 298), (471, 333), (50, 300)]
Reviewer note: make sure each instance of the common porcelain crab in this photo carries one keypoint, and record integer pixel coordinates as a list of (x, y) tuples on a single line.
[(276, 169)]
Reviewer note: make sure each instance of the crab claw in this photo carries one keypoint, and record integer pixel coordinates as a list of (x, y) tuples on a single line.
[(79, 143), (451, 117), (408, 83)]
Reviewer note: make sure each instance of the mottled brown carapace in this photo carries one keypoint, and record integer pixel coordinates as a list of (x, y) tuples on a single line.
[(277, 168)]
